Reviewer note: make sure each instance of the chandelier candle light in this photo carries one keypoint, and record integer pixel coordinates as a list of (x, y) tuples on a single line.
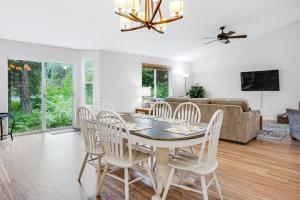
[(146, 14)]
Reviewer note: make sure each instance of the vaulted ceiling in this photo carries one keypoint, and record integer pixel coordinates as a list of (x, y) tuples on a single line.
[(91, 24)]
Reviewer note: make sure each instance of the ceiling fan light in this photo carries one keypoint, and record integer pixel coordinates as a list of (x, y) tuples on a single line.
[(120, 6), (125, 23), (176, 8), (133, 6), (161, 27)]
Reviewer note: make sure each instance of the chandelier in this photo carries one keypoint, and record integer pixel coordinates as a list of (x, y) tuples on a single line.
[(138, 14)]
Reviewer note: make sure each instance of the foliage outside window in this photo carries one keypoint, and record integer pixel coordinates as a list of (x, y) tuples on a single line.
[(158, 80), (25, 94), (59, 94), (89, 77)]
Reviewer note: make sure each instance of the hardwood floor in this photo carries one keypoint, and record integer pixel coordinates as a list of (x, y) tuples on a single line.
[(45, 166)]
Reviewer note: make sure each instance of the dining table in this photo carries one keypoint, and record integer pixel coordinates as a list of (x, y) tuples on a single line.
[(162, 141)]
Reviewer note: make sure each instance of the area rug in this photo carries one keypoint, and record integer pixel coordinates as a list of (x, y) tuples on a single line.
[(273, 131), (62, 131)]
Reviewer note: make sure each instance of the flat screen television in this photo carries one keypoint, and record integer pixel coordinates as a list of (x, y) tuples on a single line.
[(260, 80)]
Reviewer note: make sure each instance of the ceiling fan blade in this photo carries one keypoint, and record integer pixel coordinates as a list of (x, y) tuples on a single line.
[(210, 42), (238, 36), (230, 33), (208, 38)]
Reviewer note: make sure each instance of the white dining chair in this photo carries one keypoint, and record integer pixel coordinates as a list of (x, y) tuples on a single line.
[(93, 148), (102, 105), (189, 112), (161, 109), (204, 164), (117, 151)]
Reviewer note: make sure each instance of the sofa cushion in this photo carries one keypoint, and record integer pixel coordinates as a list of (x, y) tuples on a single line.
[(243, 103), (200, 100)]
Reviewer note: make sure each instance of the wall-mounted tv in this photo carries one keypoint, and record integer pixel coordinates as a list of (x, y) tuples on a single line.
[(260, 80)]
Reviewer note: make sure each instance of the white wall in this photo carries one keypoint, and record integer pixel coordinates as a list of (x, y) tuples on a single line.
[(121, 77), (33, 52), (117, 75), (220, 73)]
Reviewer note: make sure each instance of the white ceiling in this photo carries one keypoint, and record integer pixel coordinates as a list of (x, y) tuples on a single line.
[(91, 24)]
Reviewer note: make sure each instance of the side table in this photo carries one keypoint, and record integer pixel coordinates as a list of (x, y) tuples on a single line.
[(283, 119), (2, 117), (261, 122), (142, 110)]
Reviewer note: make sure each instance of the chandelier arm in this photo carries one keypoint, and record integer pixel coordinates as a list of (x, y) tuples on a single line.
[(161, 32), (168, 20), (127, 16), (152, 6), (137, 19), (156, 10), (134, 28), (160, 14), (146, 10)]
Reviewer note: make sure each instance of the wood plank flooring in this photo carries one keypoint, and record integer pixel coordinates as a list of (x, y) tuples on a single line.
[(44, 166)]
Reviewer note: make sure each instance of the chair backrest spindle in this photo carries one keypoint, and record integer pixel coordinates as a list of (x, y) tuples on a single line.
[(113, 130), (87, 122), (211, 137), (161, 109), (188, 111)]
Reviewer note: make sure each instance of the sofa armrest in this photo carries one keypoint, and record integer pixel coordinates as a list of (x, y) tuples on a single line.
[(250, 124), (294, 122)]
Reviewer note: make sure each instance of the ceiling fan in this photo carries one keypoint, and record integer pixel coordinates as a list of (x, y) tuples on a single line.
[(224, 37)]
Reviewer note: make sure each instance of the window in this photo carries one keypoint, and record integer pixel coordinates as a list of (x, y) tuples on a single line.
[(157, 78), (89, 76)]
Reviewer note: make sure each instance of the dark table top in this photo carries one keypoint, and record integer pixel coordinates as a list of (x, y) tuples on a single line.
[(157, 131)]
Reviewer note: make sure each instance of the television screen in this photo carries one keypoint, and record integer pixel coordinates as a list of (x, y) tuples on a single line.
[(260, 80)]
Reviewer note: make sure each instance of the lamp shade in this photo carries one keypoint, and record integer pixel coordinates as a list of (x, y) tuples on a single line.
[(161, 27), (146, 91), (176, 8), (120, 6), (133, 6), (124, 23), (185, 75)]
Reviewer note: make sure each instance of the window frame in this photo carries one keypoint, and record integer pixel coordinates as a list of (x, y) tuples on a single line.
[(156, 67), (85, 83)]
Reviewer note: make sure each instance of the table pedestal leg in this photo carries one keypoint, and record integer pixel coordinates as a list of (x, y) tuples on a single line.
[(162, 171)]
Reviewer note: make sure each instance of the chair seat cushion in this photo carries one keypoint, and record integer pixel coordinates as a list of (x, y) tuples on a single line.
[(137, 156), (190, 163)]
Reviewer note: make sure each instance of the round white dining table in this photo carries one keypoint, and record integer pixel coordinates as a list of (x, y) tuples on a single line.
[(162, 141)]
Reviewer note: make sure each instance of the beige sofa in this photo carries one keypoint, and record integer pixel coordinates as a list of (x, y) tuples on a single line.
[(241, 124)]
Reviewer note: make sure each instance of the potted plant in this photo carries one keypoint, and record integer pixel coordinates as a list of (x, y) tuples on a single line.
[(196, 91)]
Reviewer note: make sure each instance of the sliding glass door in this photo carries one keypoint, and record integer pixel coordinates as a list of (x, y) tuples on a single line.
[(58, 95), (25, 94), (40, 94)]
